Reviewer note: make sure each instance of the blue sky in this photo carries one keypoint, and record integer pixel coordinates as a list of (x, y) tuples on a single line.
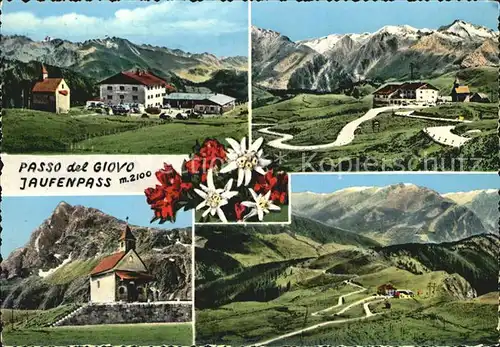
[(210, 26), (22, 215), (303, 20), (442, 183)]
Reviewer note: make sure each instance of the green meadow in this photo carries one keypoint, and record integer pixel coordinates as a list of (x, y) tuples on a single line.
[(30, 131)]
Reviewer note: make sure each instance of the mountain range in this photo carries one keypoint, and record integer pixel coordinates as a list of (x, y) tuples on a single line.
[(402, 213), (327, 63), (101, 58), (53, 267)]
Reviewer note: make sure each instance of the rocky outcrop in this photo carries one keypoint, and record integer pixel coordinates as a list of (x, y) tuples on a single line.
[(457, 287)]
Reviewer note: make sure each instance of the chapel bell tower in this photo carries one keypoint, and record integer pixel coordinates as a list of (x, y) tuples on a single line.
[(127, 239)]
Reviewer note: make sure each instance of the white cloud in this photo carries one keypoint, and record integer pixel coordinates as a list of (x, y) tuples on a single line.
[(164, 19)]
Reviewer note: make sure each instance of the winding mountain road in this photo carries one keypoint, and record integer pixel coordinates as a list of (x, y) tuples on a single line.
[(444, 136), (440, 134), (345, 136), (366, 302), (341, 300)]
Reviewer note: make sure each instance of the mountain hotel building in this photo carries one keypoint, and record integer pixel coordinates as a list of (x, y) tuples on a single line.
[(139, 86), (397, 94)]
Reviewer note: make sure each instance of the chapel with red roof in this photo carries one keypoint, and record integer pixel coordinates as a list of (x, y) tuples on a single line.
[(51, 94), (121, 276)]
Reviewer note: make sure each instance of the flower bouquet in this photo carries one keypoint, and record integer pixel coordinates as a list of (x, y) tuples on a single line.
[(223, 185)]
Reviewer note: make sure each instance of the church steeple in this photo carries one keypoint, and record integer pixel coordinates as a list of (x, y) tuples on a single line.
[(127, 239), (456, 84), (45, 74)]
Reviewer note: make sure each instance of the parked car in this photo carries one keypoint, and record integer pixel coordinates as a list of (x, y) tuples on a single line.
[(165, 117), (195, 115), (120, 110)]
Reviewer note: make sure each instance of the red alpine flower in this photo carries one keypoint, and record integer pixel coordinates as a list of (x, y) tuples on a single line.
[(239, 209), (265, 182), (277, 184), (164, 197), (211, 154), (168, 177)]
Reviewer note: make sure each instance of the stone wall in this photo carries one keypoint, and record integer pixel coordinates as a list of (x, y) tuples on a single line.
[(131, 313)]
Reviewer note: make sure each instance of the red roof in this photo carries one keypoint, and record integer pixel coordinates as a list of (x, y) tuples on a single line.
[(130, 275), (108, 263), (145, 78), (417, 85), (136, 77), (387, 89), (48, 85)]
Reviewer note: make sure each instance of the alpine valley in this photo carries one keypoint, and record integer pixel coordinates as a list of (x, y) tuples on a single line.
[(394, 265)]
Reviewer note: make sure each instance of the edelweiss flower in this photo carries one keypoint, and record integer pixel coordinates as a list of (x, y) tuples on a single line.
[(245, 160), (260, 206), (214, 198)]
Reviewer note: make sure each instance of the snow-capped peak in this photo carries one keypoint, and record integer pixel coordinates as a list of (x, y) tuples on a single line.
[(468, 30), (397, 29), (322, 44)]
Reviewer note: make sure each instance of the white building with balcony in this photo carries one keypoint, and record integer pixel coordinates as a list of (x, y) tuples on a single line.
[(139, 86), (393, 93)]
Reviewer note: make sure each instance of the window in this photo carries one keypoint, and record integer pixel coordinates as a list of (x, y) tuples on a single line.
[(130, 259), (122, 88), (62, 86), (134, 89), (121, 290), (110, 88), (135, 97), (98, 284), (122, 97), (110, 97)]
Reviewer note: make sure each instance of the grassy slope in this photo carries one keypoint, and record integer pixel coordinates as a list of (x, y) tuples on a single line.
[(308, 107), (29, 131), (72, 271), (33, 319), (165, 138), (116, 334), (251, 321), (479, 79), (259, 244), (438, 325), (469, 111)]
